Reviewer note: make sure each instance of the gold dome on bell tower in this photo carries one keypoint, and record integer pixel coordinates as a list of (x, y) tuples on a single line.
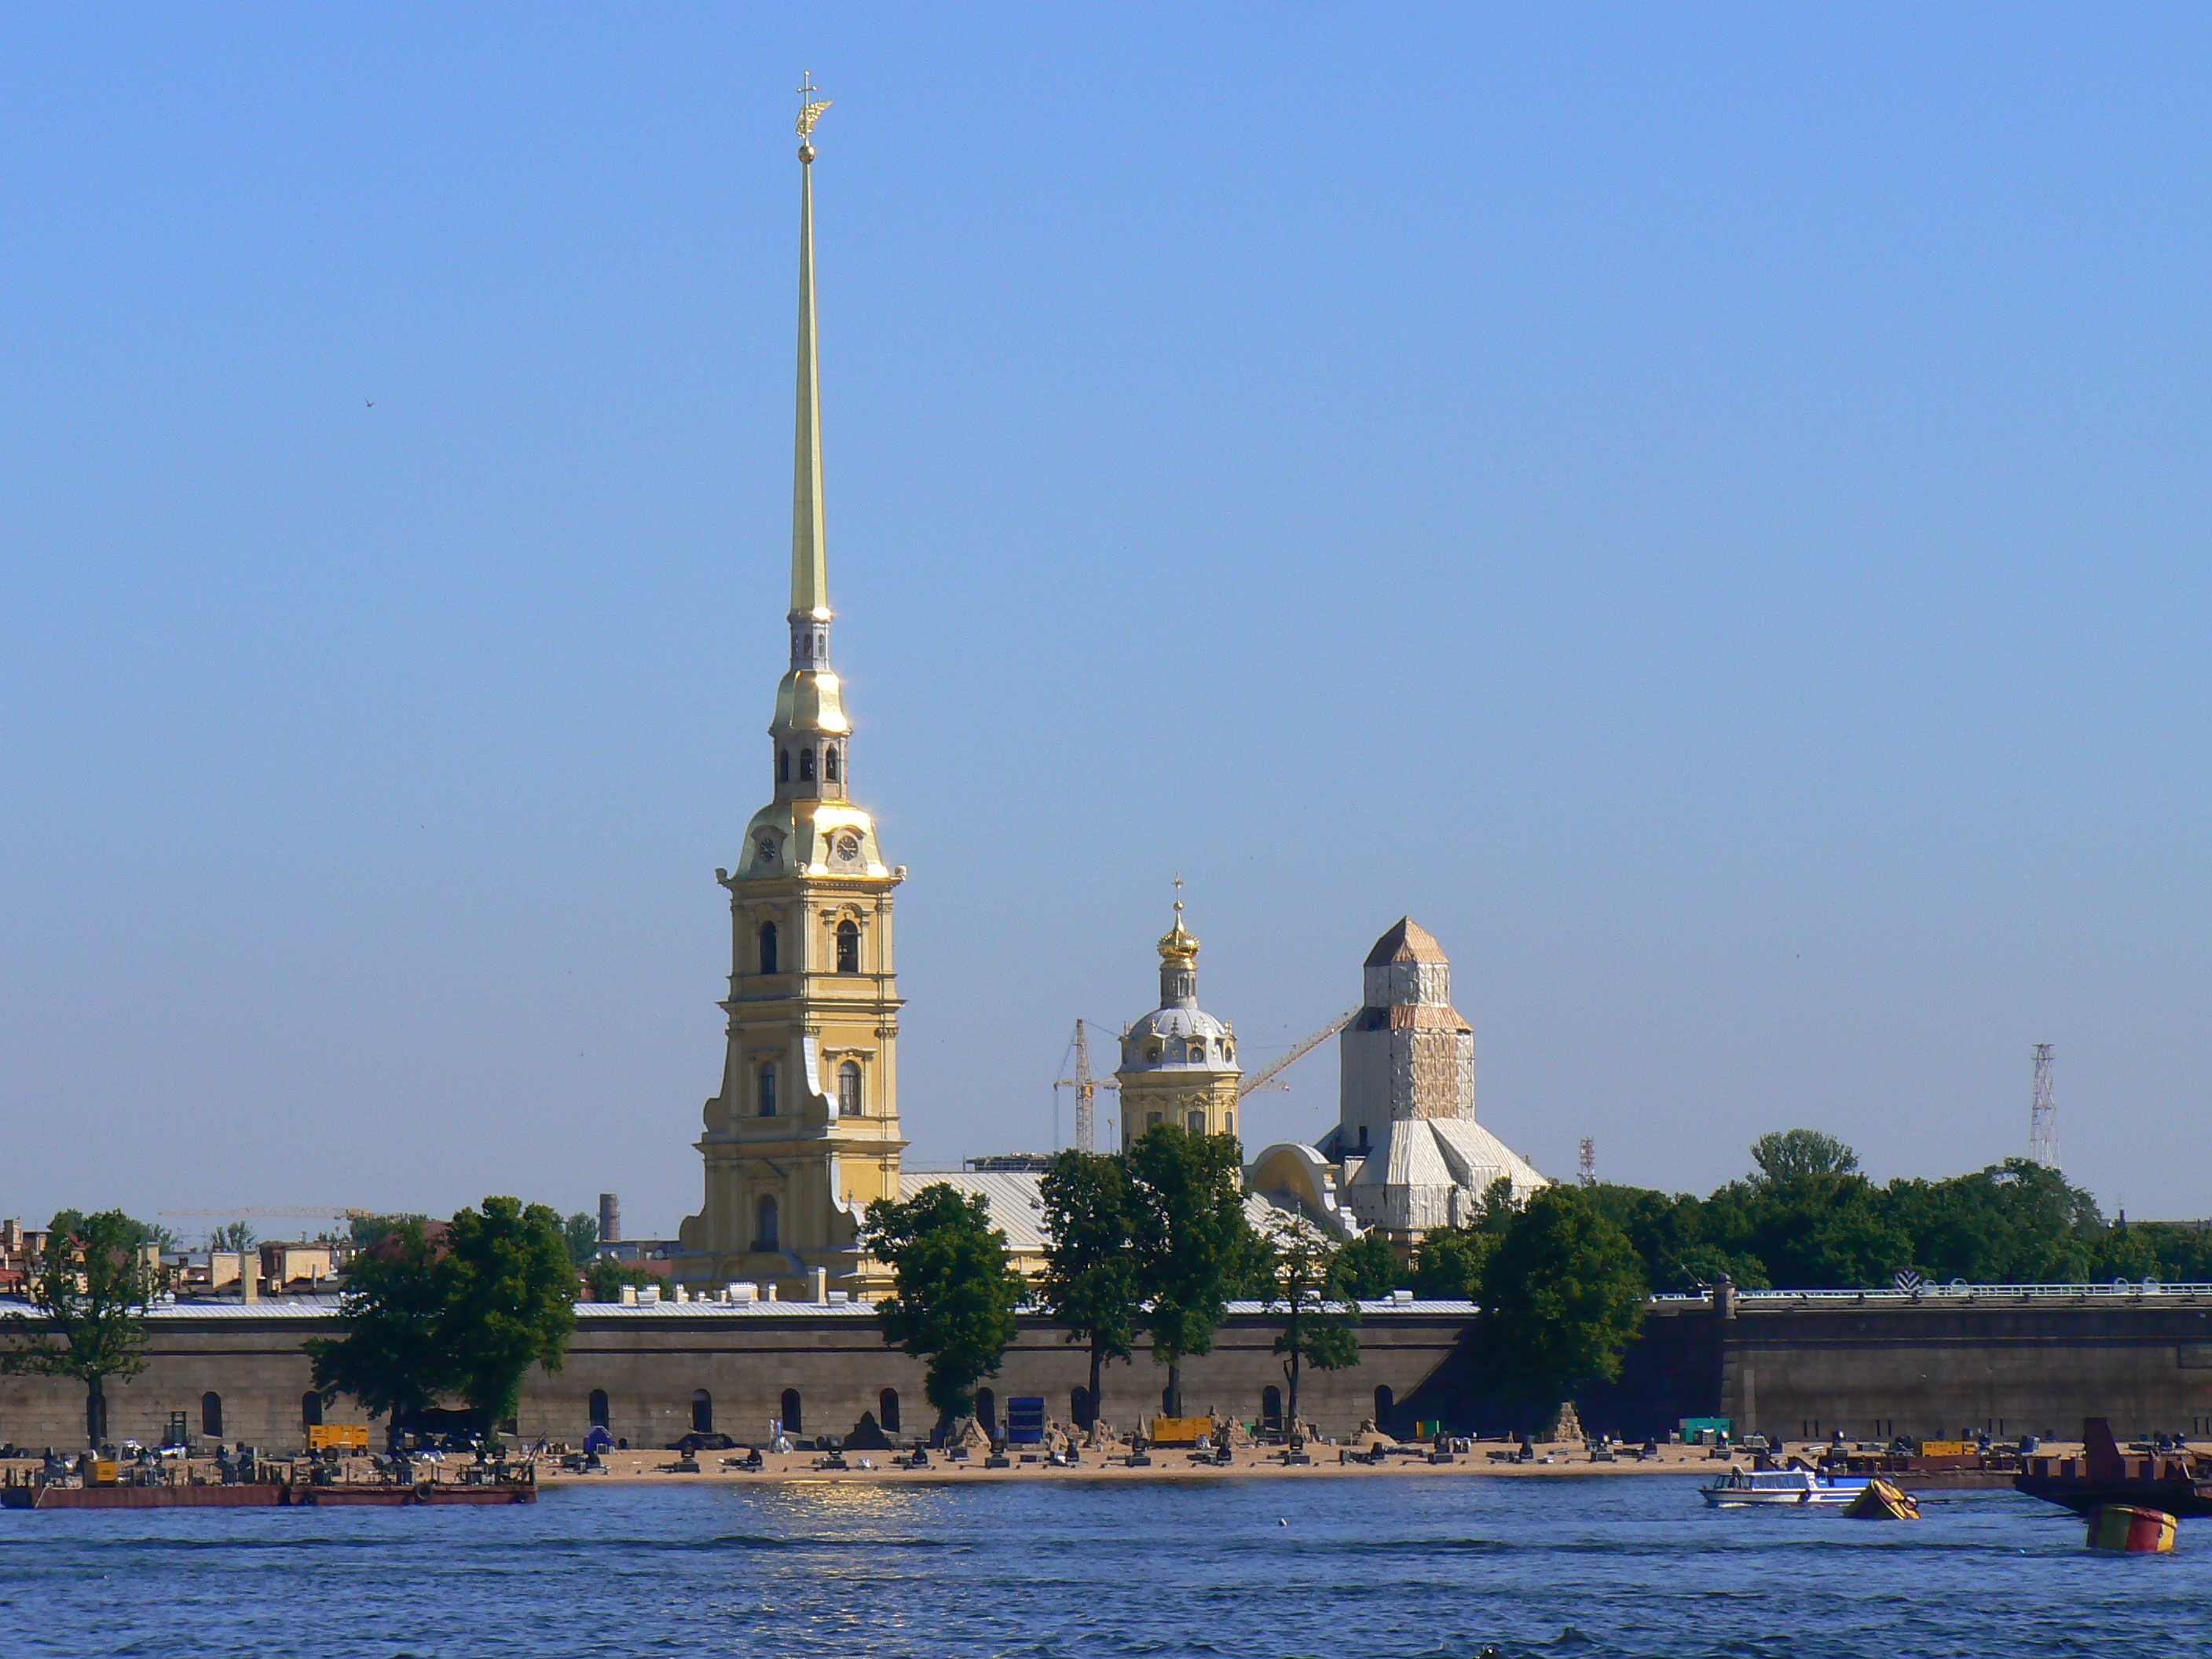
[(1179, 1062)]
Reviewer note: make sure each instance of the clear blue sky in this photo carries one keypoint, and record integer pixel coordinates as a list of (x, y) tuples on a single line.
[(1705, 508)]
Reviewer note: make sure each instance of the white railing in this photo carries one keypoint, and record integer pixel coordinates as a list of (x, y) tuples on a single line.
[(1957, 1291)]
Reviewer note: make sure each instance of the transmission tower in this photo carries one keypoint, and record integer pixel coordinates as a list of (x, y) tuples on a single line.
[(2043, 1114), (1590, 1161)]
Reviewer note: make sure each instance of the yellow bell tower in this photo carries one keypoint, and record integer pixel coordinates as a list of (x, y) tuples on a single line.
[(804, 1132)]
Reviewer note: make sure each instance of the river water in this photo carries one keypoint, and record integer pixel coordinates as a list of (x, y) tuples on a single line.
[(1352, 1568)]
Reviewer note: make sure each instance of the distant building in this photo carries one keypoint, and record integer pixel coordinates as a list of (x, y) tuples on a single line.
[(1406, 1155), (1178, 1062)]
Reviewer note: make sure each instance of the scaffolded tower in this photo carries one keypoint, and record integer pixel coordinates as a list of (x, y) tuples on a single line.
[(2043, 1114)]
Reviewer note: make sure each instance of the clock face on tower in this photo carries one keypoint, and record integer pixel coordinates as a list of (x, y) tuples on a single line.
[(845, 851), (766, 850)]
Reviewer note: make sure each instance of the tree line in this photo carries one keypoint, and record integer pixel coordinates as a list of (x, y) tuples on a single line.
[(1806, 1217), (1150, 1245)]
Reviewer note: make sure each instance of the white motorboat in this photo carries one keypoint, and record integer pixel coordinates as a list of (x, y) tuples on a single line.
[(1799, 1486)]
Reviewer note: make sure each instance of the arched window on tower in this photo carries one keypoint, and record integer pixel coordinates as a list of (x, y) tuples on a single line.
[(767, 954), (783, 766), (849, 1088), (848, 947), (805, 763), (1195, 1123), (830, 763), (766, 1089), (766, 1238)]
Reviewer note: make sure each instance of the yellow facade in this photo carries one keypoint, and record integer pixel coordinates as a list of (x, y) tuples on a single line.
[(804, 1132), (1178, 1063)]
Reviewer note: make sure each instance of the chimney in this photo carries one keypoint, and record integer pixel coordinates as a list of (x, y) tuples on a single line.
[(821, 1296), (610, 1219)]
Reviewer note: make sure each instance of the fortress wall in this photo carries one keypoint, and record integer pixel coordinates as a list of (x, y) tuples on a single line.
[(1930, 1370), (649, 1361), (1936, 1369)]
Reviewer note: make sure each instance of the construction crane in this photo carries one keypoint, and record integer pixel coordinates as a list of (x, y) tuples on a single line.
[(1086, 1083), (1283, 1063), (275, 1212), (1085, 1086)]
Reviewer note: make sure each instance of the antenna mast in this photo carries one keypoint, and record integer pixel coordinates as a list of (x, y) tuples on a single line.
[(1590, 1161), (2043, 1114)]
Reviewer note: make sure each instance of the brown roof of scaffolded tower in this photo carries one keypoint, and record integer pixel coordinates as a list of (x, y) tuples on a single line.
[(1406, 942)]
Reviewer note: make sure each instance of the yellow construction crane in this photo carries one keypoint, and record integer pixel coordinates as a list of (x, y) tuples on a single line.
[(1085, 1086), (1260, 1079), (302, 1214), (1086, 1083)]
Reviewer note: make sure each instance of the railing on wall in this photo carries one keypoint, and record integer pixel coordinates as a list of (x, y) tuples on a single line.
[(2119, 1289)]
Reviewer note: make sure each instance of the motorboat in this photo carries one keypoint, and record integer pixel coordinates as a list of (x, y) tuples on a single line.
[(1802, 1487)]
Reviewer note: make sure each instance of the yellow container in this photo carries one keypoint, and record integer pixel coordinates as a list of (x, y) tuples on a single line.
[(350, 1436), (106, 1471), (1946, 1448), (1180, 1430)]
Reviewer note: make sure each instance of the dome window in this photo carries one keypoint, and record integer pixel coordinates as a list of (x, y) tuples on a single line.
[(805, 764), (848, 947), (849, 1088), (830, 764)]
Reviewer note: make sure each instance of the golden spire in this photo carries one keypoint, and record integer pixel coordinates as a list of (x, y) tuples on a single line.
[(809, 559), (1178, 946)]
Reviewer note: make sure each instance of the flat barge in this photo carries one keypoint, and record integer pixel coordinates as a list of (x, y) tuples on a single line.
[(2180, 1486)]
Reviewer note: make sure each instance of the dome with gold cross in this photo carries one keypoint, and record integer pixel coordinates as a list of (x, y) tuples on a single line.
[(1178, 1062)]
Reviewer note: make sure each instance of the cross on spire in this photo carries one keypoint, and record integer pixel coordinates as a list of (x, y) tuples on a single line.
[(810, 106)]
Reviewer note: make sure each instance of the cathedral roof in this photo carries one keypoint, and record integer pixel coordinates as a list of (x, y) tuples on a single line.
[(1406, 942)]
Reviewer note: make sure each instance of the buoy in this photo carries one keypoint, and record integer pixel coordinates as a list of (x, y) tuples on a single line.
[(2127, 1530), (1280, 1521), (1880, 1501)]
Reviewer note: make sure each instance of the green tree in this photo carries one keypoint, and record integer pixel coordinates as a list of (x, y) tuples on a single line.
[(1317, 1317), (1563, 1294), (1368, 1269), (509, 1301), (367, 1231), (2012, 1223), (1794, 1154), (1191, 1240), (91, 1286), (1090, 1285), (955, 1289), (465, 1309), (392, 1355), (130, 1229), (581, 1233), (233, 1236), (605, 1278), (1448, 1263)]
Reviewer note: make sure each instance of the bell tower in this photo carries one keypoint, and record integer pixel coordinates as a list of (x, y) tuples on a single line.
[(804, 1132)]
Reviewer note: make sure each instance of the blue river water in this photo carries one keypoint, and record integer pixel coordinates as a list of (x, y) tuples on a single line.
[(1348, 1568)]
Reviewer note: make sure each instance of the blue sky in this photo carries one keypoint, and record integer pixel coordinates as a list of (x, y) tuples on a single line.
[(1705, 508)]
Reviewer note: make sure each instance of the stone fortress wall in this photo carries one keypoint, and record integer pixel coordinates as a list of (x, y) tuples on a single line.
[(1934, 1368)]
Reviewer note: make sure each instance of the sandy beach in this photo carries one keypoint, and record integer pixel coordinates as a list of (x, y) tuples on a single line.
[(631, 1468)]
